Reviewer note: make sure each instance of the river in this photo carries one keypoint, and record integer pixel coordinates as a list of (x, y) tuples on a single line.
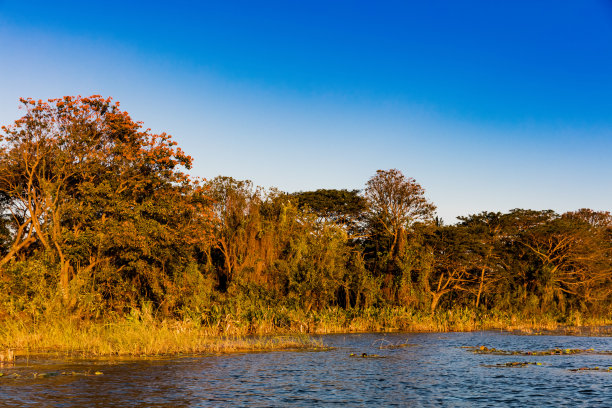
[(429, 369)]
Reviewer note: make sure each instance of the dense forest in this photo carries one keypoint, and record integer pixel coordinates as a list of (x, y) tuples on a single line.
[(99, 220)]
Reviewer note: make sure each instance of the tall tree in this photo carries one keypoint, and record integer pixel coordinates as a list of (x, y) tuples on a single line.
[(88, 186), (453, 263), (343, 207), (487, 231), (395, 205), (236, 206)]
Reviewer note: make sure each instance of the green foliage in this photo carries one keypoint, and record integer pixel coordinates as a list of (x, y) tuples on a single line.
[(342, 207), (99, 221)]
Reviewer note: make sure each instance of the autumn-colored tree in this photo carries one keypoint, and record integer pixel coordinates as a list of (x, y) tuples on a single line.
[(395, 204), (591, 258), (397, 211), (572, 256), (396, 201), (89, 187), (97, 213), (265, 245), (596, 219), (237, 226)]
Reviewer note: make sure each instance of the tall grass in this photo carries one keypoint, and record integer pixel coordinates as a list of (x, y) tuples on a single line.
[(135, 338), (141, 334)]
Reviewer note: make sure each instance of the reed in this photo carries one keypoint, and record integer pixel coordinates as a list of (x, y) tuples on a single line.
[(7, 356), (135, 338), (142, 334)]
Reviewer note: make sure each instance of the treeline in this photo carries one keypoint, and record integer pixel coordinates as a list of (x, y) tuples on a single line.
[(99, 218)]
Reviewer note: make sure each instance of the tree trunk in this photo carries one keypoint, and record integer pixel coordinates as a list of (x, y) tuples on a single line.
[(482, 273), (435, 300), (436, 295), (18, 244), (64, 279)]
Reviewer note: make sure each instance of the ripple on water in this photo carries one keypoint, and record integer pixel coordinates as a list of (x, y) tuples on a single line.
[(433, 371)]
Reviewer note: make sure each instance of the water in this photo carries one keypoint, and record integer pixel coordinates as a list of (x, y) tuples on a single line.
[(434, 371)]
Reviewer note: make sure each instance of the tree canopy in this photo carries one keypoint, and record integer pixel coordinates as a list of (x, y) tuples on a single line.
[(85, 184), (100, 217)]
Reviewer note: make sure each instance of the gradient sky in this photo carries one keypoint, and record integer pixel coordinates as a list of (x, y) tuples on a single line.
[(489, 105)]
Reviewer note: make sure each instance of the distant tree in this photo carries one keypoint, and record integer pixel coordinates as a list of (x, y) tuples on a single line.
[(597, 219), (343, 207), (487, 231), (453, 263), (396, 204), (5, 222), (572, 255), (236, 225)]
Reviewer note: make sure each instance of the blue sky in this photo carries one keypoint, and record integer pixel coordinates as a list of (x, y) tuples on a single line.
[(488, 105)]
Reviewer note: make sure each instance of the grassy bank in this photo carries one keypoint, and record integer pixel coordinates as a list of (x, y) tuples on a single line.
[(141, 334), (390, 319), (134, 338)]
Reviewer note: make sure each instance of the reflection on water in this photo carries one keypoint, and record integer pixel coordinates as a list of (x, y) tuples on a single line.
[(432, 371)]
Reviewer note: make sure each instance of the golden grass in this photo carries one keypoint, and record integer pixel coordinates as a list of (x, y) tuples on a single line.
[(129, 338), (389, 319), (142, 335)]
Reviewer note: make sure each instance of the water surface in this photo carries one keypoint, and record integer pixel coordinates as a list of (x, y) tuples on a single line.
[(434, 371)]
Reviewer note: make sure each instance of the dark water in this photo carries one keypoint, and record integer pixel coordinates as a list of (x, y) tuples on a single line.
[(435, 371)]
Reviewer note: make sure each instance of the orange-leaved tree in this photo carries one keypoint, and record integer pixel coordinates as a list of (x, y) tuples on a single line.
[(87, 186)]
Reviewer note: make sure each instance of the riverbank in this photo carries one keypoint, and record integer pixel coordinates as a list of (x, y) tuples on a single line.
[(135, 338), (140, 334)]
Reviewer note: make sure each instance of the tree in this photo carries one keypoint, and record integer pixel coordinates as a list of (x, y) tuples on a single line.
[(573, 256), (487, 231), (236, 225), (396, 205), (453, 262), (596, 219), (343, 207), (5, 223), (89, 188)]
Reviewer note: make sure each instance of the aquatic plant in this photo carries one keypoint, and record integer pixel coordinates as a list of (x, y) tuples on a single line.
[(383, 344), (512, 364), (365, 355), (607, 370), (555, 351)]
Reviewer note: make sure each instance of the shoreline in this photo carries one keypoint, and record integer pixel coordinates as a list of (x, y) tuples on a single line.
[(69, 337)]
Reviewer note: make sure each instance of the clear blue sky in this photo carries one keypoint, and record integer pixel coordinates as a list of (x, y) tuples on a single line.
[(489, 105)]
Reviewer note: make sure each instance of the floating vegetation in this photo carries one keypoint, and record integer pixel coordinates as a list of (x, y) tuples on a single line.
[(320, 348), (366, 355), (383, 344), (53, 374), (512, 364), (607, 370), (397, 346), (591, 331), (46, 375), (549, 352)]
